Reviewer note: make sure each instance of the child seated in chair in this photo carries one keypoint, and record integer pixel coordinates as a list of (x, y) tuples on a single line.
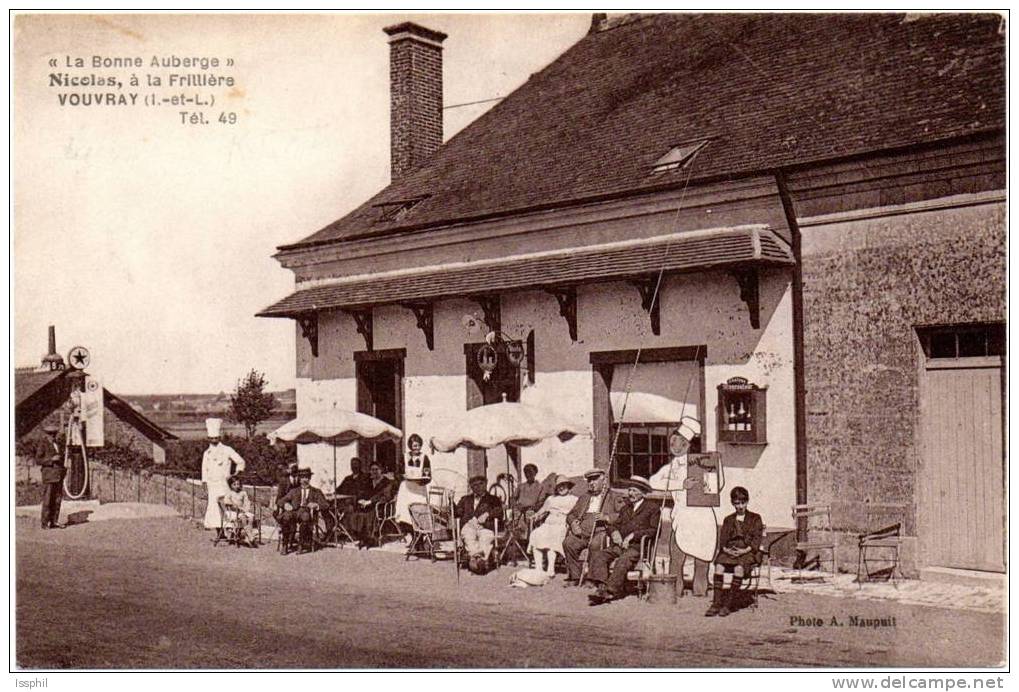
[(741, 542), (237, 515)]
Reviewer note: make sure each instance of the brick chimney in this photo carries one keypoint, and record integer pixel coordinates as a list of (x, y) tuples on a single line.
[(53, 360), (415, 93)]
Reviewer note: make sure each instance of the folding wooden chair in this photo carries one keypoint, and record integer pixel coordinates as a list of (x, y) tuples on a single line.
[(886, 543), (821, 514), (386, 525)]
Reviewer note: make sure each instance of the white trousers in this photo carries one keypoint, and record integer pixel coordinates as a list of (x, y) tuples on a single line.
[(477, 539)]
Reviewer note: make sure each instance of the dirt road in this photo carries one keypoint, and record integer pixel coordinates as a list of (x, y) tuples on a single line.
[(156, 594)]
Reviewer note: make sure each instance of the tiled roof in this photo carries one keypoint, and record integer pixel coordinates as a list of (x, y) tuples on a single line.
[(768, 90), (28, 383), (700, 250)]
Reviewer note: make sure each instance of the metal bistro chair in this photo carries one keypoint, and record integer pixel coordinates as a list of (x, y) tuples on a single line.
[(639, 576), (822, 516), (429, 532), (762, 570), (385, 516), (886, 543), (230, 533), (337, 534), (317, 537)]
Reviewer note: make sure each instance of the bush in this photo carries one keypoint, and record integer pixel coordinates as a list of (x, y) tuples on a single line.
[(120, 456), (261, 458)]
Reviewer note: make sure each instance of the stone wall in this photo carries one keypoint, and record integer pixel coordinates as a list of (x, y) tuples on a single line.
[(867, 284)]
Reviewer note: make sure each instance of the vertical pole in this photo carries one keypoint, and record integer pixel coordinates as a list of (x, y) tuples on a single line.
[(799, 376), (164, 488), (192, 500), (114, 483), (139, 474)]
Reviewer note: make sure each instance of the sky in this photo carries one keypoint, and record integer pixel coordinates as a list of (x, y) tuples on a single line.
[(149, 241)]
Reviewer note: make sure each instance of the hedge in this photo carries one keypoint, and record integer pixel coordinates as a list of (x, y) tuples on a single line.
[(262, 459)]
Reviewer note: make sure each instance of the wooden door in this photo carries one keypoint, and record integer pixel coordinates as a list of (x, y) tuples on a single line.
[(964, 463)]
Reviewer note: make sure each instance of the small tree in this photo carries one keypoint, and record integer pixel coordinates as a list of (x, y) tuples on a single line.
[(250, 404)]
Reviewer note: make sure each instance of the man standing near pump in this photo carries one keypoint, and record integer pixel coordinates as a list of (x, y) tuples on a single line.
[(50, 458)]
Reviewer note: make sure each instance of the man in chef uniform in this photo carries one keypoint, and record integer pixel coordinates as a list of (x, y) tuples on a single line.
[(694, 529), (216, 469)]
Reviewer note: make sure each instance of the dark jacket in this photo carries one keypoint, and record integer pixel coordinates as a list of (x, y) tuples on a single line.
[(579, 513), (637, 525), (47, 454), (294, 498), (377, 494), (742, 534), (466, 510), (355, 487), (284, 484)]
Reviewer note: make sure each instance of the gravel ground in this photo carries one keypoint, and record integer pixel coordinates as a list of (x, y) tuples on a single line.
[(154, 593)]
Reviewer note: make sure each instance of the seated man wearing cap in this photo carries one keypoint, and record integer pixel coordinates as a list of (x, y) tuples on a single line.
[(586, 524), (477, 513), (638, 518), (298, 510)]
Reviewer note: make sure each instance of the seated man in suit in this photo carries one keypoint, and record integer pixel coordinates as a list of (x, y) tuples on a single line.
[(740, 540), (352, 488), (286, 480), (477, 513), (298, 509), (638, 518), (361, 522)]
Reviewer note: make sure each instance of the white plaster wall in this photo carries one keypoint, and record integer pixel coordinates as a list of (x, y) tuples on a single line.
[(314, 396), (696, 309)]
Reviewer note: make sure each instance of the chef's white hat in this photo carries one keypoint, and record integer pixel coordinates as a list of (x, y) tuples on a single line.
[(212, 426), (689, 428)]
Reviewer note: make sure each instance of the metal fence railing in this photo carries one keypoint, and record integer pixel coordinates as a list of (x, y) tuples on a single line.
[(172, 487)]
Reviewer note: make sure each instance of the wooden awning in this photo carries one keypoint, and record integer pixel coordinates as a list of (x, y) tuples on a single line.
[(721, 248)]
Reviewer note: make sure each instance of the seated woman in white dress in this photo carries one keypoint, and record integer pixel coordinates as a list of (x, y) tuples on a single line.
[(547, 539), (417, 473)]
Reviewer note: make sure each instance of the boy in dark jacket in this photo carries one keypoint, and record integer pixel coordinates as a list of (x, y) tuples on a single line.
[(740, 542)]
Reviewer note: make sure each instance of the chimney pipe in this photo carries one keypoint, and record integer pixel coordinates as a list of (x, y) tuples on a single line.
[(415, 95), (53, 360)]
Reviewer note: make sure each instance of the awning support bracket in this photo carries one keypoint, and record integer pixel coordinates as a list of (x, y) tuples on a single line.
[(363, 318), (424, 313), (309, 330), (567, 298), (490, 305), (650, 302), (750, 293)]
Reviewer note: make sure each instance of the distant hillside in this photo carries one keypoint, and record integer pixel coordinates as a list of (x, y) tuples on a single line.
[(185, 414)]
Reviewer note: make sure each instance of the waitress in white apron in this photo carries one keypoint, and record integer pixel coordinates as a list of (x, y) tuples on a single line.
[(417, 474), (694, 529)]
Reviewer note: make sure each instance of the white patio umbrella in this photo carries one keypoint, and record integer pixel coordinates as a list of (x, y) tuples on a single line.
[(506, 423), (337, 427)]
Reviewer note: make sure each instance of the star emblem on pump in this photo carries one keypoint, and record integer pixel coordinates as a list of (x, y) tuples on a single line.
[(78, 357)]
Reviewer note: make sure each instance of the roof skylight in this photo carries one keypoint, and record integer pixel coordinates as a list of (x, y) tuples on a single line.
[(679, 156)]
